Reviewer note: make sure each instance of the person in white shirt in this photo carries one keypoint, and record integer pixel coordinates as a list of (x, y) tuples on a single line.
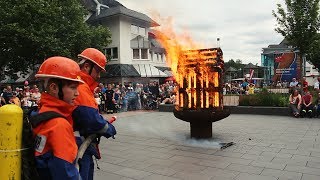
[(293, 83)]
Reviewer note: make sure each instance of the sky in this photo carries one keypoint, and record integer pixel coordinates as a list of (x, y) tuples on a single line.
[(243, 26)]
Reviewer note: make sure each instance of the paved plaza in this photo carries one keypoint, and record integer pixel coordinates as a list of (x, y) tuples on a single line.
[(156, 146)]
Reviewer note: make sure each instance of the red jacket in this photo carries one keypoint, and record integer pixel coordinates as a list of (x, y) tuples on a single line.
[(86, 116)]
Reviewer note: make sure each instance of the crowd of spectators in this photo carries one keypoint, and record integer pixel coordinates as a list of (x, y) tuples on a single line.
[(110, 97), (245, 87), (24, 97), (113, 98), (301, 100)]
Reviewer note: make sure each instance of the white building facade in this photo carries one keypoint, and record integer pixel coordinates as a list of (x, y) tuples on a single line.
[(134, 54)]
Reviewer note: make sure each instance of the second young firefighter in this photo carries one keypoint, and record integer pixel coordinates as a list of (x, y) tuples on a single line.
[(87, 119)]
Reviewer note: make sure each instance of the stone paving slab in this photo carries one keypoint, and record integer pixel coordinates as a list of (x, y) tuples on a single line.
[(156, 145)]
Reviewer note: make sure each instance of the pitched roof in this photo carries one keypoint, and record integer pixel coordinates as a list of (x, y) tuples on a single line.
[(231, 69), (121, 10), (250, 65), (91, 5)]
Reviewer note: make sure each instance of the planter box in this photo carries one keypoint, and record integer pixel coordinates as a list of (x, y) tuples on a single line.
[(254, 110), (260, 110), (231, 100)]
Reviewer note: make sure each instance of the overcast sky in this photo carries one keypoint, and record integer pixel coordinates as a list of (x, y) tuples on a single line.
[(243, 26)]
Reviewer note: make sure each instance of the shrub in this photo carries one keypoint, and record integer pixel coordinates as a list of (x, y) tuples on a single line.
[(264, 99)]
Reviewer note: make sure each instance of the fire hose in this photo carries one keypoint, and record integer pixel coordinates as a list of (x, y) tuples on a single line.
[(86, 143)]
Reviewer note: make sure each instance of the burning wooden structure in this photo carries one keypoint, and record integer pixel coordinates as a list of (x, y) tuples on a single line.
[(200, 98)]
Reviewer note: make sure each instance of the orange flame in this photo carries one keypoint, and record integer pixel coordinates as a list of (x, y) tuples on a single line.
[(189, 67)]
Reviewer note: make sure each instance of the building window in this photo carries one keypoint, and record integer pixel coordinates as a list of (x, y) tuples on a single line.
[(151, 55), (308, 69), (134, 29), (157, 56), (138, 30), (112, 53), (144, 53), (142, 31), (161, 55), (136, 53), (115, 53)]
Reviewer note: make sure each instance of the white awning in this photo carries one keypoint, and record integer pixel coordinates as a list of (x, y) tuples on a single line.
[(147, 70)]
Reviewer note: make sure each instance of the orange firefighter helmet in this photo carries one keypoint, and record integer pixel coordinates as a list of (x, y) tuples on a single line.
[(60, 68), (95, 56)]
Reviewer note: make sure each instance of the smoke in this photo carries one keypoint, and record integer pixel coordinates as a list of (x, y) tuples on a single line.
[(163, 126)]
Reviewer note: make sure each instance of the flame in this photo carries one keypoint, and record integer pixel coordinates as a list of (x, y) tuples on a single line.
[(189, 66)]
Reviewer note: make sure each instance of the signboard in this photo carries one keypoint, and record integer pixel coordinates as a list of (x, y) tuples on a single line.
[(285, 67)]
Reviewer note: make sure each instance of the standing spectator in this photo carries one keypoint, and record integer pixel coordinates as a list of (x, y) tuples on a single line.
[(35, 96), (251, 87), (110, 99), (244, 86), (7, 94), (304, 84), (138, 90), (15, 100), (279, 85), (34, 88), (102, 97), (295, 101), (20, 94), (307, 106), (97, 98), (285, 84), (103, 89)]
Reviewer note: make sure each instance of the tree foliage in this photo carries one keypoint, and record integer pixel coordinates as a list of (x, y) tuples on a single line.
[(313, 53), (235, 64), (299, 23), (33, 30)]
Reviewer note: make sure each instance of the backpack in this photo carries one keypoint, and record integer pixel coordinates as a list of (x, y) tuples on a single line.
[(31, 118)]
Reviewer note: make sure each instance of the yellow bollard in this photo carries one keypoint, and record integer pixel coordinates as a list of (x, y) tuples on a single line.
[(11, 121)]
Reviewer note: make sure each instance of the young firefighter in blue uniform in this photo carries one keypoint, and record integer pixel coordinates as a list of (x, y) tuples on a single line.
[(87, 119), (56, 148)]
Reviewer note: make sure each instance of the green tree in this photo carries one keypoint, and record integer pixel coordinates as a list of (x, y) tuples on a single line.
[(313, 53), (299, 23), (33, 30)]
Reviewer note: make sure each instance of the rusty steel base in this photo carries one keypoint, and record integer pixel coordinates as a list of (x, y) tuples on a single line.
[(201, 130)]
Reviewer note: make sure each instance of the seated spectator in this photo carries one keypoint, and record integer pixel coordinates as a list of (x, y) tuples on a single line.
[(307, 106), (293, 83), (317, 106), (169, 100), (295, 101), (279, 85)]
